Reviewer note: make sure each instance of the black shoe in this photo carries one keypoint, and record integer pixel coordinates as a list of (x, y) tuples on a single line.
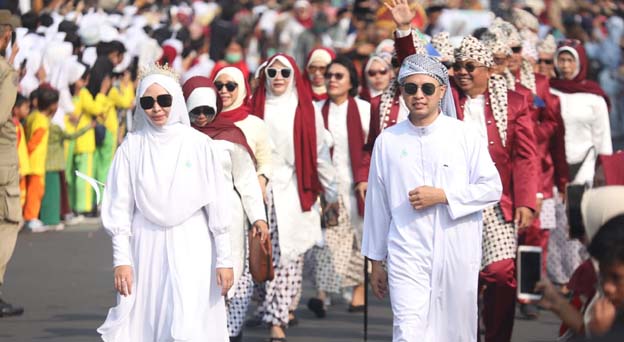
[(7, 309), (253, 322), (292, 321), (529, 311), (356, 308), (317, 306), (237, 338)]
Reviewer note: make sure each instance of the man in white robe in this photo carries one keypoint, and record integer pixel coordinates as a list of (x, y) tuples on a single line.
[(430, 179)]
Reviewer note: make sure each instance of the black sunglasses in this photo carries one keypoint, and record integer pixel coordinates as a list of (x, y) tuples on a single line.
[(230, 86), (545, 61), (164, 100), (412, 88), (206, 110), (470, 67), (516, 49), (373, 73), (272, 72), (337, 75)]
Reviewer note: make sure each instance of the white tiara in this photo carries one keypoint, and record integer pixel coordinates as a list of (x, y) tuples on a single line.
[(157, 69)]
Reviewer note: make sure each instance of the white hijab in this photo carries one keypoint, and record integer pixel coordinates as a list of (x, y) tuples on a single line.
[(173, 167), (239, 78)]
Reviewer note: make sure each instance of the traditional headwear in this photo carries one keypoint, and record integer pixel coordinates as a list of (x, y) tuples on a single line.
[(547, 45), (599, 205), (430, 66), (304, 131), (523, 19), (240, 108), (472, 48), (200, 91), (579, 83), (443, 45), (510, 31), (494, 39), (529, 44)]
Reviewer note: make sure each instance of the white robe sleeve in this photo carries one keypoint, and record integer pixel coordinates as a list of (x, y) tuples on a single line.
[(326, 171), (218, 212), (377, 216), (118, 207), (601, 131), (246, 184), (484, 188)]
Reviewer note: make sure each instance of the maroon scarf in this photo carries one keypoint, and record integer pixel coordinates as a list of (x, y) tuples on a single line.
[(355, 137), (223, 129), (304, 135)]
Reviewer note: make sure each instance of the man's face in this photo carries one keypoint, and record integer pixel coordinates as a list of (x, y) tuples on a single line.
[(567, 65), (546, 65), (426, 98), (470, 74), (516, 58), (612, 279), (501, 63)]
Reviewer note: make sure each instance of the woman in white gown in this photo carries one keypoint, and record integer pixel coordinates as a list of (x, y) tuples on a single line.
[(171, 245)]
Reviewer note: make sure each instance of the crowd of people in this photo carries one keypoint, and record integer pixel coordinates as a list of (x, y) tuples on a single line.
[(430, 137)]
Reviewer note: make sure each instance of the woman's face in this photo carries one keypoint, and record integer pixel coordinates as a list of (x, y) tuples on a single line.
[(227, 97), (316, 71), (338, 81), (279, 83), (378, 76), (202, 115), (566, 65), (157, 114)]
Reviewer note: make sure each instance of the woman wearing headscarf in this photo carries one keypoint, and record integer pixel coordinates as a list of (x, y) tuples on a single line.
[(162, 207), (339, 262), (301, 171), (314, 73), (242, 193), (234, 93), (584, 109), (377, 74)]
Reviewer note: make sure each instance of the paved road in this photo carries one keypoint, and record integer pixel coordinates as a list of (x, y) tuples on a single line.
[(64, 280)]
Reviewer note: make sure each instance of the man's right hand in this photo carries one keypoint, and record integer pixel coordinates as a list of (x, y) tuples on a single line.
[(401, 12), (379, 279), (360, 189)]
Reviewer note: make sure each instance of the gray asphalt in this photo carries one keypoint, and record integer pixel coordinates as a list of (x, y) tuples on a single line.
[(64, 281)]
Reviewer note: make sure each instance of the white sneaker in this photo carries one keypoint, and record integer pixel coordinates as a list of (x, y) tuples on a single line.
[(71, 219), (59, 227), (36, 226)]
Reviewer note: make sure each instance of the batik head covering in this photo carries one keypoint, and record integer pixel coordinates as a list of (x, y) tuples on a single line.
[(430, 66), (472, 49), (529, 44), (441, 42), (494, 39), (523, 19), (547, 45), (510, 31)]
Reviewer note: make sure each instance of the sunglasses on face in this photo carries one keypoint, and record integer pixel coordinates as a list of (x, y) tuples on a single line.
[(516, 49), (545, 61), (206, 110), (337, 75), (230, 86), (412, 88), (373, 73), (470, 67), (272, 72), (164, 101), (314, 69)]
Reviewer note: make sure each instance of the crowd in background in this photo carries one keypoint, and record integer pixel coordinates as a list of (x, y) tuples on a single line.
[(78, 64)]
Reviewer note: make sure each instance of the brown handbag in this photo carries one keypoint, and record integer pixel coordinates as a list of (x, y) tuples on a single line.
[(260, 258)]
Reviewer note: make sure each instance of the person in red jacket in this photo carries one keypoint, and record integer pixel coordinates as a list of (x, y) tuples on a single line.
[(503, 119)]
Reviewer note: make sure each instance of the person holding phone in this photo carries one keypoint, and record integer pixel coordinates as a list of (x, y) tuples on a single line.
[(431, 177)]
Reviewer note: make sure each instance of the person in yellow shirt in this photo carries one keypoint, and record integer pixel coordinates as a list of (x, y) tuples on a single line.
[(37, 133), (20, 112)]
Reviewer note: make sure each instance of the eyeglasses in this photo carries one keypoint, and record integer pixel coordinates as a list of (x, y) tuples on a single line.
[(314, 69), (516, 49), (164, 100), (373, 73), (338, 75), (272, 72), (470, 67), (230, 86), (545, 61), (206, 110), (412, 88)]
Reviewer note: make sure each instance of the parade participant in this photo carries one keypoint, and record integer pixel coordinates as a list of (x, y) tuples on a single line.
[(242, 189), (377, 74), (162, 206), (10, 215), (314, 73), (302, 170), (546, 49), (502, 119), (585, 114), (339, 262), (431, 177)]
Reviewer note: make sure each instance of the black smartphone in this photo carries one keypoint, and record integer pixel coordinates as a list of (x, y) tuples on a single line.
[(529, 271)]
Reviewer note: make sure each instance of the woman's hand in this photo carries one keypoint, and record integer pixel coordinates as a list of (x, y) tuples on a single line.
[(260, 227), (225, 279), (123, 280)]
